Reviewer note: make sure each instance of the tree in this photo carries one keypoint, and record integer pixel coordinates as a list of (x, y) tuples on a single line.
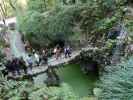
[(3, 11), (8, 8), (94, 19)]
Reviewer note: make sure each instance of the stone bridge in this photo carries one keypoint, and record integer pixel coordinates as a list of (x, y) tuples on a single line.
[(55, 63)]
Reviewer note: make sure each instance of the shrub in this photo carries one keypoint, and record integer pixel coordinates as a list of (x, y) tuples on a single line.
[(25, 90), (117, 82), (91, 18)]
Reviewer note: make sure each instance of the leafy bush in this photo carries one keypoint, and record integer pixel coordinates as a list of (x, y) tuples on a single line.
[(117, 82), (1, 56), (26, 90), (2, 43), (38, 6), (92, 18)]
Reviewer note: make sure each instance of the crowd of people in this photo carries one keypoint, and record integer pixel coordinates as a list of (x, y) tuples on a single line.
[(58, 51), (16, 65), (20, 65)]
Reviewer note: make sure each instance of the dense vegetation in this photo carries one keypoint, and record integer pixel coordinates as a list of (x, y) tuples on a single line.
[(1, 47), (44, 22), (117, 82), (70, 21), (26, 90)]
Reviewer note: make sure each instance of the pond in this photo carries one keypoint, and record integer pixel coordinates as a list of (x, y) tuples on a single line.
[(81, 84)]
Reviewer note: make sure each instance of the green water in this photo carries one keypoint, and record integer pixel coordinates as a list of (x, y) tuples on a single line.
[(80, 83)]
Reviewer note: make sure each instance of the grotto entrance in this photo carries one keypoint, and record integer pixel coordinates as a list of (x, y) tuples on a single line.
[(60, 43), (59, 40), (90, 66)]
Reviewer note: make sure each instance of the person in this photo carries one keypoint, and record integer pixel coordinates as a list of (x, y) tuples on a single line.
[(16, 66), (67, 52), (50, 53), (55, 50), (45, 56), (37, 58), (29, 61), (23, 65), (58, 52), (9, 67), (114, 33)]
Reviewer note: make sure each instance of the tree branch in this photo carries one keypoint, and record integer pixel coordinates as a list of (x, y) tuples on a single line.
[(11, 4)]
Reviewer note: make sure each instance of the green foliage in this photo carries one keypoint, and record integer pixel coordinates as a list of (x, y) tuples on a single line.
[(117, 82), (1, 47), (94, 19), (110, 44), (54, 93), (6, 9), (1, 56), (25, 90), (35, 5), (129, 25), (50, 29), (34, 29), (41, 5), (1, 42), (43, 28)]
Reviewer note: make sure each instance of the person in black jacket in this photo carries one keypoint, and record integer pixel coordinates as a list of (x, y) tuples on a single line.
[(23, 65), (16, 65), (9, 67)]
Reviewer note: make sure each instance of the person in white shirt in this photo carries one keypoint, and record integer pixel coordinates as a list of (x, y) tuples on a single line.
[(37, 58), (29, 61)]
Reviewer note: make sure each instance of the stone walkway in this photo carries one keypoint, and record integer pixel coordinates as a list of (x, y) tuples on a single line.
[(53, 62)]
